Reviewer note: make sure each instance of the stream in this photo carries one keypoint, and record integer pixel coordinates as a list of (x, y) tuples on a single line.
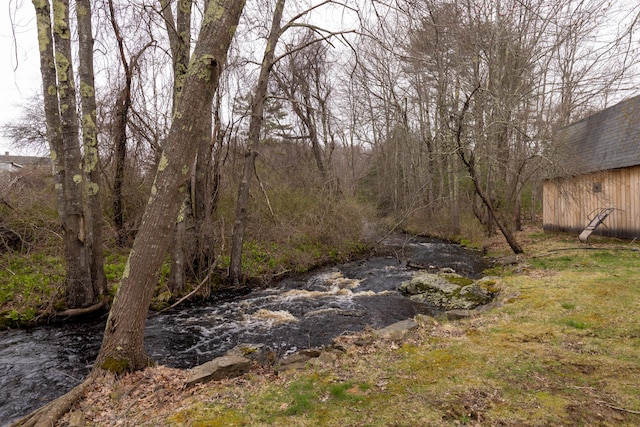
[(40, 364)]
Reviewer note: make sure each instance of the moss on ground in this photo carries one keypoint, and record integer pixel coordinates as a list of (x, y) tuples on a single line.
[(564, 349)]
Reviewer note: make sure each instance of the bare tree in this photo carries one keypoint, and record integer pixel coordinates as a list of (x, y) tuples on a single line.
[(255, 126), (122, 110), (122, 348), (303, 110), (473, 173), (300, 82), (63, 135), (29, 130), (91, 161)]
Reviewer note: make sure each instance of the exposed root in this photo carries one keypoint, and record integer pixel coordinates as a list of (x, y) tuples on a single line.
[(48, 415)]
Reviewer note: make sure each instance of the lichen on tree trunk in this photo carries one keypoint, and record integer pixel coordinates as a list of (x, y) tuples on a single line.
[(63, 134), (90, 143), (124, 331)]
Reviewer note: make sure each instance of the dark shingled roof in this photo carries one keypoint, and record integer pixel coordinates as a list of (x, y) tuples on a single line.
[(606, 140), (25, 160)]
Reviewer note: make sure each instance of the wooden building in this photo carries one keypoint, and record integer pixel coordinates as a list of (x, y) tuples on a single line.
[(598, 161)]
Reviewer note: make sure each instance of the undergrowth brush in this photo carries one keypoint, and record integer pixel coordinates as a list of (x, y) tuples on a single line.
[(290, 230)]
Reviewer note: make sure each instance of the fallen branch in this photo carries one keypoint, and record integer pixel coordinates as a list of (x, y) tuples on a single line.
[(617, 408), (74, 312), (205, 280)]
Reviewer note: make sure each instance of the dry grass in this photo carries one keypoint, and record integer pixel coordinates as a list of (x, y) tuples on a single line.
[(563, 349)]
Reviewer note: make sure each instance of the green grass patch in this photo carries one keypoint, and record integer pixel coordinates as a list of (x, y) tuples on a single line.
[(575, 324), (348, 391), (303, 397), (29, 285), (561, 348), (114, 264)]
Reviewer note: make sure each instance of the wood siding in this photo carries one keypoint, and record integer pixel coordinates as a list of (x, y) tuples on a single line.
[(569, 203)]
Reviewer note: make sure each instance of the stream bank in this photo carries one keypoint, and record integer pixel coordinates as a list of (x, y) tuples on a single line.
[(293, 314)]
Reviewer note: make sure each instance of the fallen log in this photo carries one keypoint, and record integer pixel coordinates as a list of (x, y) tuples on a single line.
[(74, 312)]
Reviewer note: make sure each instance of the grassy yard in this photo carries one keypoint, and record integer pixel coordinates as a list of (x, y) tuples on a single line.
[(562, 349)]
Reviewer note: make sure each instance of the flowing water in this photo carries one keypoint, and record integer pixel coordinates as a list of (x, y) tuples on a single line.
[(43, 363)]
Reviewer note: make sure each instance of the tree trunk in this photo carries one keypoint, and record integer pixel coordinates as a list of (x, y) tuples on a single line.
[(257, 113), (308, 119), (120, 156), (79, 289), (123, 344), (518, 213), (62, 131), (455, 199), (488, 194), (122, 107), (179, 34), (470, 166), (202, 203), (50, 95), (120, 136), (177, 278), (91, 154)]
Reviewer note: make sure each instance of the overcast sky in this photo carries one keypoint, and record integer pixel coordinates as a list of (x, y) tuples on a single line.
[(19, 61), (19, 67), (20, 64)]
